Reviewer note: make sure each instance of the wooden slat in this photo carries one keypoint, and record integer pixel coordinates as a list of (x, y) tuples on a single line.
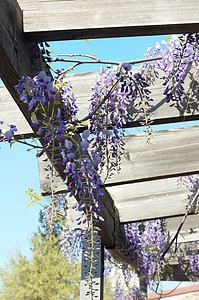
[(175, 273), (15, 52), (62, 20), (82, 83), (188, 234), (172, 153), (138, 201), (149, 200), (189, 231)]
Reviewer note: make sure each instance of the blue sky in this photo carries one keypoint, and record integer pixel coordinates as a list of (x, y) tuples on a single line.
[(19, 170)]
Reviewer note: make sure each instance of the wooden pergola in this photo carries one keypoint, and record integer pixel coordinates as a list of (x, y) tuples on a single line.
[(146, 186)]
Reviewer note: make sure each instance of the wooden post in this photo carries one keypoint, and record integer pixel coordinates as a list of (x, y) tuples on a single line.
[(143, 288), (97, 271)]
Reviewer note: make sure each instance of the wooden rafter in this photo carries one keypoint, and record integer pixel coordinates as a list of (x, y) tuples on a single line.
[(15, 62), (15, 52), (62, 20), (161, 111)]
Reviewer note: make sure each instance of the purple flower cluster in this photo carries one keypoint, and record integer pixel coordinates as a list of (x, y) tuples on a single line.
[(51, 212), (106, 124), (190, 181), (71, 242), (189, 259), (101, 145), (43, 94), (123, 279), (36, 91), (176, 55), (146, 243), (194, 264), (9, 134)]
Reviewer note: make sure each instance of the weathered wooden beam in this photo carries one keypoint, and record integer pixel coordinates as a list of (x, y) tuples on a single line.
[(175, 273), (181, 272), (161, 112), (16, 54), (62, 20), (149, 200), (171, 153), (189, 231), (15, 62), (137, 201), (143, 288), (188, 234)]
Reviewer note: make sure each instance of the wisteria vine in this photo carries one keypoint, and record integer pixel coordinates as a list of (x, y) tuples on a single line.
[(86, 157)]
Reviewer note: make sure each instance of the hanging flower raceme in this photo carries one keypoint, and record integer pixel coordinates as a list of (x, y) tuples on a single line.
[(146, 243), (106, 124), (177, 54)]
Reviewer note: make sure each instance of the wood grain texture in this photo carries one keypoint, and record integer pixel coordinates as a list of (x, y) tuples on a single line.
[(15, 52), (136, 201), (79, 19), (172, 153), (149, 200), (175, 273), (190, 230)]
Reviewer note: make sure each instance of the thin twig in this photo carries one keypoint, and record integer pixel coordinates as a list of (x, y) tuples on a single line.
[(107, 62), (82, 55), (181, 224), (90, 115)]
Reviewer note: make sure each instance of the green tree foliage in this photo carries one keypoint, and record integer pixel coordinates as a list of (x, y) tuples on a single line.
[(46, 276)]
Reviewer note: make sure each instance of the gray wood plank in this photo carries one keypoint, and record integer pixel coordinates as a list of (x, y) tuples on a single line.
[(15, 52), (149, 200), (172, 153), (175, 273), (189, 232), (56, 20), (136, 201)]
